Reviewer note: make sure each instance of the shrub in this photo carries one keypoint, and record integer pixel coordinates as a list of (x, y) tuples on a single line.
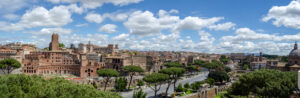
[(180, 88), (120, 84), (187, 85), (139, 94)]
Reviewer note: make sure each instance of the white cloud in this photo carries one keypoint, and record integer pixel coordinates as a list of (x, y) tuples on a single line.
[(51, 30), (196, 23), (82, 25), (11, 16), (121, 37), (108, 28), (287, 16), (246, 34), (143, 23), (225, 26), (116, 16), (92, 4), (10, 6), (41, 17), (74, 8), (93, 17)]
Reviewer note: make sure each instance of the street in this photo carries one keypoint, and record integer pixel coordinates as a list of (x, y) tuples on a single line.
[(150, 92)]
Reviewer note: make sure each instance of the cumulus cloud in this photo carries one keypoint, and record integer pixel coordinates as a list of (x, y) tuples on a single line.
[(92, 4), (121, 37), (11, 16), (143, 23), (225, 26), (246, 34), (93, 17), (196, 23), (287, 16), (51, 30), (10, 6), (41, 17), (108, 28)]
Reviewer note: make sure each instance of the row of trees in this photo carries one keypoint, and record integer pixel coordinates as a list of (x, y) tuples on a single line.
[(169, 75), (107, 74)]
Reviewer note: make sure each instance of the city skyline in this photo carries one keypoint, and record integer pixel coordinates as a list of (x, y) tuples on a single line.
[(202, 26)]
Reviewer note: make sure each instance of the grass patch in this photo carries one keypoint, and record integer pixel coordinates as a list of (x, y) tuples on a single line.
[(220, 94)]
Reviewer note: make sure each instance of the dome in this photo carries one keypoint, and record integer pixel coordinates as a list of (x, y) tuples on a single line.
[(295, 53)]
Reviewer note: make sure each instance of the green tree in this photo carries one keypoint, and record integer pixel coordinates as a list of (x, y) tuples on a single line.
[(227, 69), (173, 64), (179, 88), (24, 86), (187, 85), (191, 68), (218, 76), (9, 64), (199, 62), (132, 70), (245, 67), (196, 86), (139, 94), (120, 84), (156, 79), (284, 59), (210, 81), (140, 83), (224, 59), (107, 74), (265, 83), (61, 45), (174, 73)]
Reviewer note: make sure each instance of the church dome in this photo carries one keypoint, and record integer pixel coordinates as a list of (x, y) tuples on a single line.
[(295, 53)]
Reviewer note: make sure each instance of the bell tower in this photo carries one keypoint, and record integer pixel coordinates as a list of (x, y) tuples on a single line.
[(295, 46), (54, 44)]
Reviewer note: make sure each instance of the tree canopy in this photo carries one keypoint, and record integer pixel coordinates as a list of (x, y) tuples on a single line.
[(7, 65), (224, 59), (265, 83), (23, 86), (107, 73), (218, 76), (173, 64), (132, 69), (174, 73), (213, 65), (61, 45), (156, 79)]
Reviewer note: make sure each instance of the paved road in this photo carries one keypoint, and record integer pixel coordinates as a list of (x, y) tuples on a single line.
[(150, 92)]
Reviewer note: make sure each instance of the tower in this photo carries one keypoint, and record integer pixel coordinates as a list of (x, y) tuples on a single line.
[(295, 46), (260, 56), (54, 44)]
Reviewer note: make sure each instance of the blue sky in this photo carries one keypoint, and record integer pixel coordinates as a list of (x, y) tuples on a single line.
[(210, 26)]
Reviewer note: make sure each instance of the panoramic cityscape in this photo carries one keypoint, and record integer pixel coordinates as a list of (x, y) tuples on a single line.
[(149, 49)]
